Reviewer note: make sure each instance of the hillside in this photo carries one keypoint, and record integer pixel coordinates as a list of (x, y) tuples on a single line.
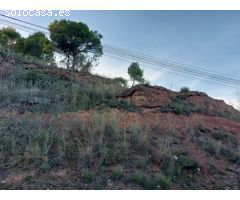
[(72, 130)]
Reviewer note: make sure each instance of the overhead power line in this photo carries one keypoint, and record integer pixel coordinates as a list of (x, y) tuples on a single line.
[(176, 74), (157, 63), (19, 26), (164, 60), (25, 22), (176, 68)]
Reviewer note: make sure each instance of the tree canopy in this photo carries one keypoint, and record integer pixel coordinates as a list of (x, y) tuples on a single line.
[(135, 73), (8, 37), (80, 46), (37, 45)]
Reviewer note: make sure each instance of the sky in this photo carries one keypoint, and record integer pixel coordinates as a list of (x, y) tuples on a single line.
[(206, 39)]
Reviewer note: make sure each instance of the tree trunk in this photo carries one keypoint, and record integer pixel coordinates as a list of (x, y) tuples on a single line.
[(68, 60)]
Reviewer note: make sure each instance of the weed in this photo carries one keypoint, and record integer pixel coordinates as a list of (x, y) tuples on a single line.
[(162, 148), (45, 167), (88, 176), (138, 178), (169, 167), (140, 163), (117, 174), (148, 183), (139, 140), (165, 183), (185, 162), (213, 147)]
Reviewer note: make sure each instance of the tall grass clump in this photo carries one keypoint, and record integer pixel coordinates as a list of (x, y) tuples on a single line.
[(139, 139)]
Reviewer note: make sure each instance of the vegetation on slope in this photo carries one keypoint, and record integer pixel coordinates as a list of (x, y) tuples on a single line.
[(42, 144)]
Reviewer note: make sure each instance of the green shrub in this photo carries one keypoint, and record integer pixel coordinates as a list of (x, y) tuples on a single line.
[(121, 81), (175, 166), (45, 167), (140, 163), (186, 162), (88, 176), (117, 174), (169, 167), (138, 178), (178, 109), (184, 90), (150, 184), (165, 183)]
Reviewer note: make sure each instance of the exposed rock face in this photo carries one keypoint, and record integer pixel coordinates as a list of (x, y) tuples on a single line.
[(213, 106), (147, 96), (153, 98)]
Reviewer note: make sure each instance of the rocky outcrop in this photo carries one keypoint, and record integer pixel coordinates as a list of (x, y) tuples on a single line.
[(213, 106), (156, 98), (146, 96)]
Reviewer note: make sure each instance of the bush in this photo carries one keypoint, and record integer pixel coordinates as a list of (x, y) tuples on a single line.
[(148, 183), (184, 90), (165, 183), (117, 174), (88, 176), (138, 178), (178, 110), (176, 166), (186, 162), (121, 81), (45, 167)]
